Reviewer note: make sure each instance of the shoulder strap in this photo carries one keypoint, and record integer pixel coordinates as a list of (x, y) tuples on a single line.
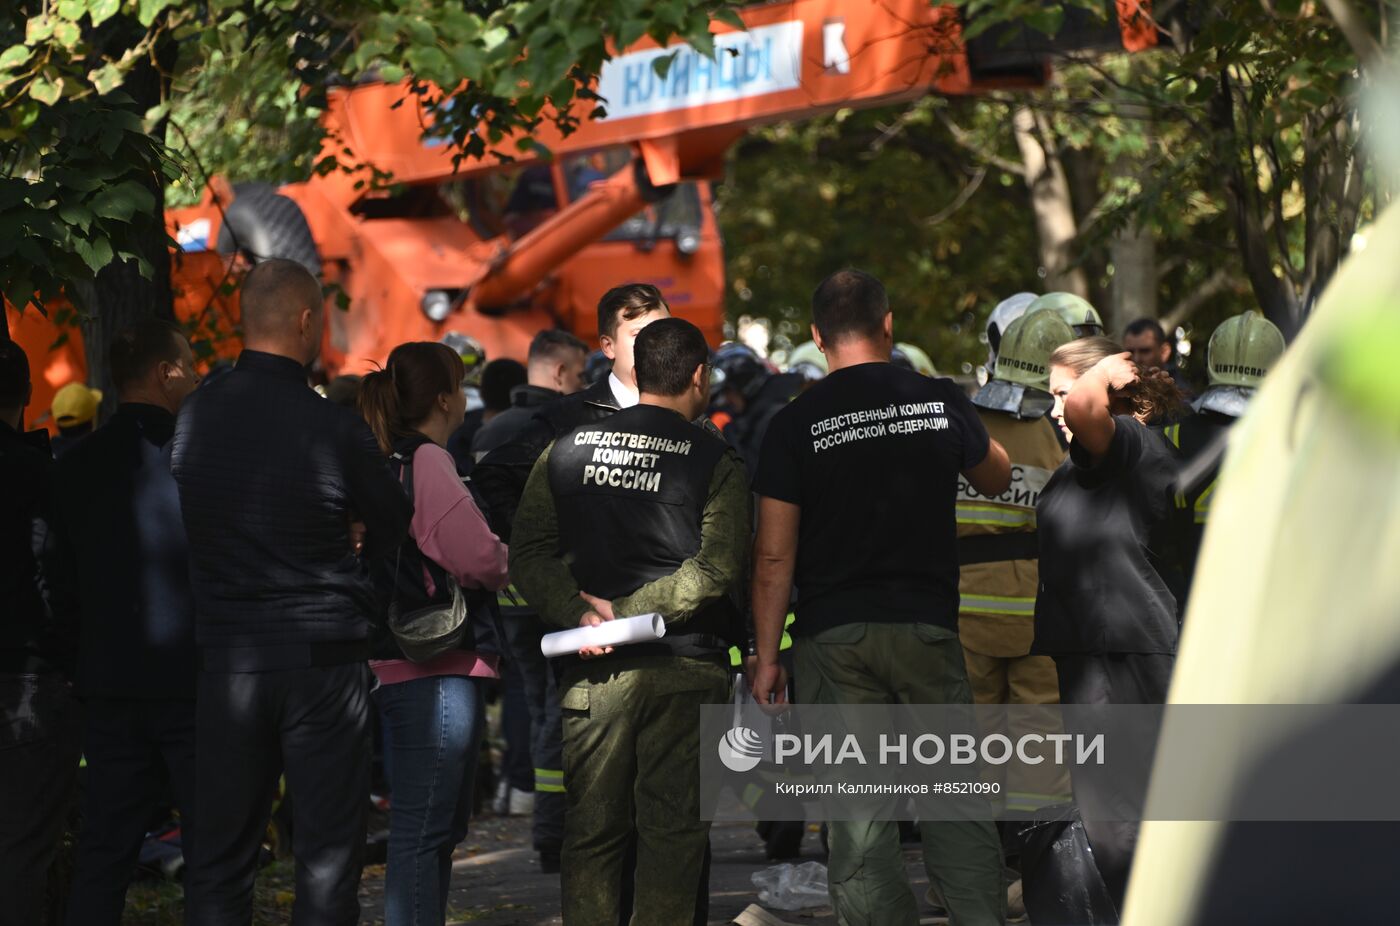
[(404, 464)]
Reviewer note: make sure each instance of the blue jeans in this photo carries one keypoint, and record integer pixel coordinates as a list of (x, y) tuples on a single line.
[(432, 732)]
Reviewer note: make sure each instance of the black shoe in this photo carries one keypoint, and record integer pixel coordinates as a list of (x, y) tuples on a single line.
[(783, 839), (549, 863)]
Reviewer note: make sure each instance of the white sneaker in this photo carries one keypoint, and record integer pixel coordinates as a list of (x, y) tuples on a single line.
[(522, 803), (1015, 903)]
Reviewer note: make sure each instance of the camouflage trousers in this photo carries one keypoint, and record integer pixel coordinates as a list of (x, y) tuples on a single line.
[(631, 765)]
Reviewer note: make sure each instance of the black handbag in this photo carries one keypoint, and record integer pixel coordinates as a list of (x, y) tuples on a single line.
[(425, 633)]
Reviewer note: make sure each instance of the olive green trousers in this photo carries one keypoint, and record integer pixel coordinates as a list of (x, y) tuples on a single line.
[(872, 663)]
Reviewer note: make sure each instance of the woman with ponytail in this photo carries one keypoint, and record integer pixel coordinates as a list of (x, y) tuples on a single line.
[(432, 712), (1107, 607)]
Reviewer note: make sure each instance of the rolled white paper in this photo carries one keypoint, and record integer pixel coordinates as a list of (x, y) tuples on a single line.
[(640, 629)]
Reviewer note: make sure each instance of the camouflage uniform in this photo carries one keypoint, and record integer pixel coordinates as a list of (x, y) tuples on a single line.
[(631, 759)]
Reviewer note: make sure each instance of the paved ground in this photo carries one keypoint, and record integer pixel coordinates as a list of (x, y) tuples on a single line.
[(497, 881)]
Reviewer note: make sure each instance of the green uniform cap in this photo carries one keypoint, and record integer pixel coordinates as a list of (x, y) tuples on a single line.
[(1026, 347), (1074, 310), (1242, 350)]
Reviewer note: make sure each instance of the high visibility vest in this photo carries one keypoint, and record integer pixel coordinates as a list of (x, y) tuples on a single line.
[(1198, 433), (736, 655), (998, 586)]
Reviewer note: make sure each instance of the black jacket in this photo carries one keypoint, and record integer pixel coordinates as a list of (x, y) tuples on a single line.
[(525, 400), (30, 641), (745, 433), (501, 475), (271, 476), (120, 560)]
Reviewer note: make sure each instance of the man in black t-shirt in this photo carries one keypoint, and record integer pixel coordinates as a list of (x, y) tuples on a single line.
[(857, 483)]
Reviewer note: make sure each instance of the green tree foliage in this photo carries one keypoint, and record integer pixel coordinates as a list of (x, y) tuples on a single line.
[(1257, 104), (887, 191), (74, 74), (1234, 146)]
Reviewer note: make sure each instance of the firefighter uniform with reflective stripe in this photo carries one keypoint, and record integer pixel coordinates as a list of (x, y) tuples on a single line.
[(524, 628), (999, 576), (653, 514), (1191, 436)]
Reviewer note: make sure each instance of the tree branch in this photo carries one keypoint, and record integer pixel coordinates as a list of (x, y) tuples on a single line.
[(964, 139), (960, 200), (1167, 265), (1218, 282), (1353, 27), (1278, 300), (1276, 204), (895, 128)]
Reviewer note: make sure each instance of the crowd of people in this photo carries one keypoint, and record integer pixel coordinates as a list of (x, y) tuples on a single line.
[(218, 588)]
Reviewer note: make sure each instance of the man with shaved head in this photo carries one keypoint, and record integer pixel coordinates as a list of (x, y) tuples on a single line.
[(271, 478)]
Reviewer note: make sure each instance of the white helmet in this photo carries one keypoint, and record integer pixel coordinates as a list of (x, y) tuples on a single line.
[(1006, 312)]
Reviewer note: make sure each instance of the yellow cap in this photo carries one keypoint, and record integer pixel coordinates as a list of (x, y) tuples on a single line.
[(75, 404)]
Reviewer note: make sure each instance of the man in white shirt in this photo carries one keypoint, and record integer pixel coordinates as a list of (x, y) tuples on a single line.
[(622, 313)]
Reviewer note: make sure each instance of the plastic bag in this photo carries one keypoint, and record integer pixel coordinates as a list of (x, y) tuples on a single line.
[(792, 887), (1060, 881), (748, 714)]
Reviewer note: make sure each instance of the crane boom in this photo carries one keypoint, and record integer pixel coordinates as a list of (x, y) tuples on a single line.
[(795, 60)]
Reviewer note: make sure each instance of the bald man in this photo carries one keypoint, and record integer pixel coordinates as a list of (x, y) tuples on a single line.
[(271, 477)]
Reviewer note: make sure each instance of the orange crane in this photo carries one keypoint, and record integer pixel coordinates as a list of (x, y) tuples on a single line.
[(500, 251)]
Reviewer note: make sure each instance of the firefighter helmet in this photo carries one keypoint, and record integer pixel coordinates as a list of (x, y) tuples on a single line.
[(1242, 350), (1006, 312), (742, 370), (912, 358), (470, 350), (1026, 348), (1076, 312), (807, 359)]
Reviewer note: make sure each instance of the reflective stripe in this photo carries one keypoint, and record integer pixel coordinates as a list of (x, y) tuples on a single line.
[(550, 780), (1173, 434), (736, 657), (752, 795), (996, 604), (1021, 800), (969, 513), (1203, 502), (510, 597)]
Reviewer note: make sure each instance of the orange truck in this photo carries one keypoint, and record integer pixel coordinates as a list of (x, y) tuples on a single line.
[(502, 251)]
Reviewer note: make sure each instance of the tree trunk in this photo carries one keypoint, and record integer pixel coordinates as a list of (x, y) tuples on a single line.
[(1085, 170), (1133, 294), (1133, 248), (1051, 203)]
